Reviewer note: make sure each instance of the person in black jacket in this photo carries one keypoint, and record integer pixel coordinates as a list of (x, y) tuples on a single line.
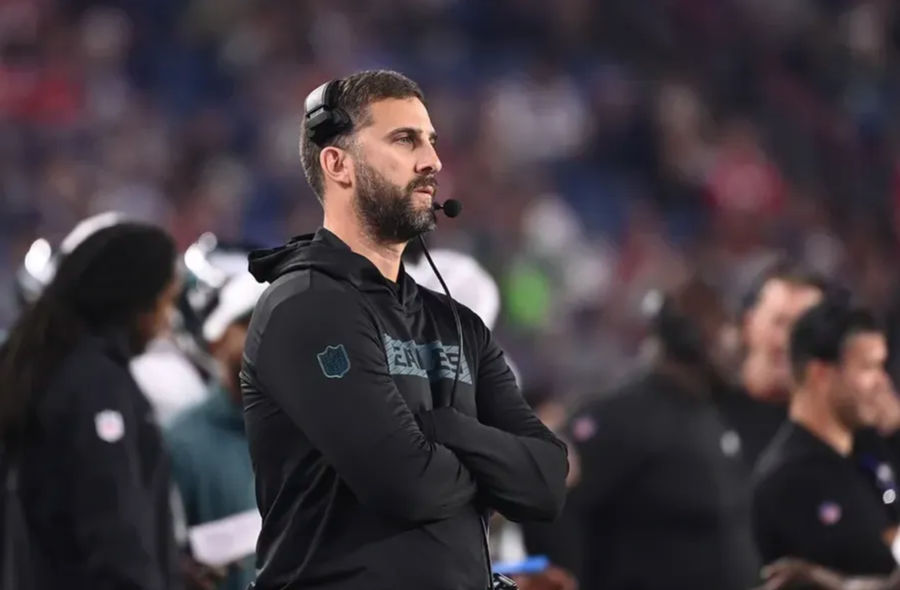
[(94, 479), (811, 500), (661, 502), (371, 474), (756, 406)]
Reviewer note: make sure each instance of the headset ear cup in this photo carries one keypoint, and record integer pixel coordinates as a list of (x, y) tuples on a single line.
[(324, 120), (341, 120)]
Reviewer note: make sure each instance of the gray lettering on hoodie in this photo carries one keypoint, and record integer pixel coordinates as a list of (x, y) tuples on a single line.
[(432, 361)]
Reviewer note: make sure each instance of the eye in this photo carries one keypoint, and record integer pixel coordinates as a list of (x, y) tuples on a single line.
[(406, 139)]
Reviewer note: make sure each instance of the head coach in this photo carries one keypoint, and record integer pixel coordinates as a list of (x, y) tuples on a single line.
[(378, 448)]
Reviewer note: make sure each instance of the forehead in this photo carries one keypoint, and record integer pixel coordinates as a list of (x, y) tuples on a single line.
[(778, 293), (866, 344), (393, 113)]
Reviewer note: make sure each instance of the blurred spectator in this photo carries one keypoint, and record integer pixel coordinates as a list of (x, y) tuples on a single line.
[(662, 500), (757, 407), (713, 116), (810, 501), (597, 145), (210, 460), (165, 372), (93, 474)]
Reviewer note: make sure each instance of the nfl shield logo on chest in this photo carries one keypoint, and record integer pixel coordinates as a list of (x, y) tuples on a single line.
[(334, 361)]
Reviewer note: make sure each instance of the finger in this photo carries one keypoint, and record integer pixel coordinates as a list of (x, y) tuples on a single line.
[(783, 565), (778, 582)]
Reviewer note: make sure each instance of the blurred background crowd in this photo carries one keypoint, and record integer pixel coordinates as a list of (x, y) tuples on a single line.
[(601, 149)]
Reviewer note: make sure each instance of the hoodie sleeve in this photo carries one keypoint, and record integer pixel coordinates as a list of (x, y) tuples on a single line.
[(114, 526), (520, 466), (321, 361)]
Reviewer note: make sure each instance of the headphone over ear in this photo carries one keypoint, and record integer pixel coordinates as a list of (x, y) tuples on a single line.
[(323, 118)]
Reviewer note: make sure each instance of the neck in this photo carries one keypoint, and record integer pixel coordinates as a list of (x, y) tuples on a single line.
[(815, 415), (757, 386), (385, 257)]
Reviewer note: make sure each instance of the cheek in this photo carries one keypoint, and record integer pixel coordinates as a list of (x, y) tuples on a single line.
[(392, 165), (868, 382)]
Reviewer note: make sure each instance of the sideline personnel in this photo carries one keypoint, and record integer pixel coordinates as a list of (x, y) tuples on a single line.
[(363, 480), (661, 503), (94, 473), (757, 406), (810, 499)]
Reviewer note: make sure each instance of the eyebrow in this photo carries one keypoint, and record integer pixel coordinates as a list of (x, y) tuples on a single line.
[(432, 137)]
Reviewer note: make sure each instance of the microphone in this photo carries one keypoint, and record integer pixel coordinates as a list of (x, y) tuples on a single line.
[(450, 207)]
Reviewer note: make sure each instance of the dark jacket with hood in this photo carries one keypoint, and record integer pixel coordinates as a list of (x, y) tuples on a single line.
[(364, 478), (95, 478)]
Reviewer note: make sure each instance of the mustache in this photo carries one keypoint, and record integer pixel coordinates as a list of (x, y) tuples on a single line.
[(428, 181)]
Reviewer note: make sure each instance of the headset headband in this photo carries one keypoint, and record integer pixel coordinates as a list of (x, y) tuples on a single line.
[(324, 119)]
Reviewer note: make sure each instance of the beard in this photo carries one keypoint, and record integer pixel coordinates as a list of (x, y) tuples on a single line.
[(389, 212)]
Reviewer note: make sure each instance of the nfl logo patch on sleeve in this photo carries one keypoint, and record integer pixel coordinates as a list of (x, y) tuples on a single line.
[(584, 428), (334, 361), (110, 425), (830, 513)]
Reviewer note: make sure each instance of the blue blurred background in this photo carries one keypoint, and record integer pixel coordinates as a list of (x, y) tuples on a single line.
[(600, 148)]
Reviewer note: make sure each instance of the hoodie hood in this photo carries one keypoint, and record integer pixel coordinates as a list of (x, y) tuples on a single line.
[(328, 254)]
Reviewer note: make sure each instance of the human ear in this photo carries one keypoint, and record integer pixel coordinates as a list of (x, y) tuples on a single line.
[(337, 165)]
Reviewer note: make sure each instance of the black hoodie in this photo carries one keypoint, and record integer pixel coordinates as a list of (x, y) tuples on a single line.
[(363, 479)]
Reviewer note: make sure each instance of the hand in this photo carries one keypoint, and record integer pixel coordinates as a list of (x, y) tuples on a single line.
[(887, 411), (201, 577), (574, 475), (787, 573), (553, 578)]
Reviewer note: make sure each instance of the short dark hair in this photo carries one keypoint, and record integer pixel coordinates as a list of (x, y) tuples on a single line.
[(785, 270), (354, 96), (822, 332)]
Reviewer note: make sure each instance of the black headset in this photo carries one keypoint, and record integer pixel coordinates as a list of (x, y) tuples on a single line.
[(325, 120)]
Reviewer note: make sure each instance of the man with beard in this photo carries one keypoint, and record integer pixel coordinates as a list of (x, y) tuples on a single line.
[(379, 439), (207, 444), (810, 499)]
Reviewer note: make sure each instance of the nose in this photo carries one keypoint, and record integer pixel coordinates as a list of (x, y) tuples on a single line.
[(429, 162)]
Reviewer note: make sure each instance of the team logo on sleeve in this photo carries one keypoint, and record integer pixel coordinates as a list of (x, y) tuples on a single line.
[(584, 428), (334, 361), (110, 425)]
